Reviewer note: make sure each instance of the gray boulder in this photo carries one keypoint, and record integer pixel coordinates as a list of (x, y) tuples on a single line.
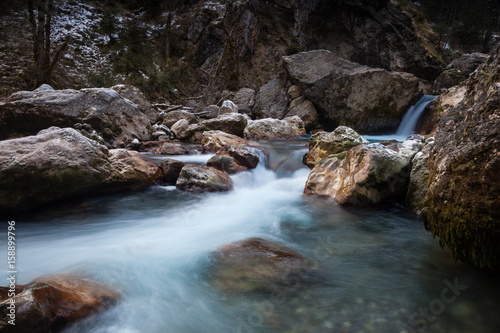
[(115, 118), (245, 100), (366, 99), (305, 110), (61, 163), (134, 95), (419, 178), (272, 101), (228, 107), (170, 118), (264, 129)]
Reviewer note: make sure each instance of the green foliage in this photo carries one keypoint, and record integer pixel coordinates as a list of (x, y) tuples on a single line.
[(108, 25)]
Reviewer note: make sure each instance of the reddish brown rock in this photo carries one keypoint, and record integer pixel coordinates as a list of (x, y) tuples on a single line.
[(257, 264), (50, 303)]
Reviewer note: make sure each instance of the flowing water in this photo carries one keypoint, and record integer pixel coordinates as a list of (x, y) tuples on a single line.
[(378, 270), (408, 123)]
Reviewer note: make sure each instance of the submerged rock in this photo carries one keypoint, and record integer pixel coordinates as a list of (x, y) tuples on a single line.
[(346, 93), (257, 264), (265, 129), (60, 163), (324, 144), (364, 175), (115, 118), (463, 200), (203, 179), (51, 303)]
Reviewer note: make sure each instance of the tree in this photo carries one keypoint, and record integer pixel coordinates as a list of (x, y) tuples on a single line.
[(40, 28)]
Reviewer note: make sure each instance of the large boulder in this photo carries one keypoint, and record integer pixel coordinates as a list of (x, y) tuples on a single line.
[(51, 303), (364, 175), (257, 264), (324, 144), (232, 123), (346, 93), (463, 200), (264, 129), (171, 170), (272, 101), (115, 118), (194, 178), (61, 163), (134, 95)]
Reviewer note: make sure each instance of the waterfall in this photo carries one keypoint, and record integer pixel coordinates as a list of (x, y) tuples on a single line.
[(408, 123)]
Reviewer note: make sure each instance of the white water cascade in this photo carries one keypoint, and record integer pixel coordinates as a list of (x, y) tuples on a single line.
[(408, 123)]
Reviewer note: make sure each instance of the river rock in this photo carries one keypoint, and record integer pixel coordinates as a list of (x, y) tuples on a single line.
[(131, 170), (239, 149), (324, 144), (272, 101), (209, 112), (294, 92), (228, 107), (60, 163), (245, 100), (232, 123), (346, 93), (171, 170), (181, 129), (257, 264), (203, 179), (419, 178), (51, 303), (364, 175), (305, 110), (297, 125), (226, 164), (168, 148), (264, 129), (115, 118), (134, 95), (463, 200), (170, 118)]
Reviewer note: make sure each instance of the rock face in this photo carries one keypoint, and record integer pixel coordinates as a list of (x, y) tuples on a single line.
[(324, 144), (203, 179), (59, 163), (272, 101), (363, 175), (256, 264), (463, 200), (115, 118), (50, 303), (264, 129), (346, 93)]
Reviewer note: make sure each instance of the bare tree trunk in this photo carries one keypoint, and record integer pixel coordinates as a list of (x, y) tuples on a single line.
[(168, 31), (40, 66)]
